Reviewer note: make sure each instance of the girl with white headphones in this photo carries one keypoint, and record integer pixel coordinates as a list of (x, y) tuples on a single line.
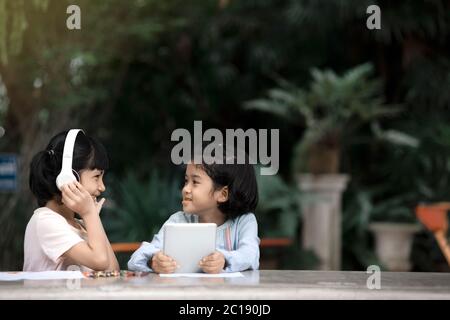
[(67, 178)]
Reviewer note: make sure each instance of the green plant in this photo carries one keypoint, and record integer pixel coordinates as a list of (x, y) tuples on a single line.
[(425, 169), (278, 210), (376, 205), (13, 230), (405, 171), (397, 209), (357, 252), (141, 208), (333, 105), (359, 234)]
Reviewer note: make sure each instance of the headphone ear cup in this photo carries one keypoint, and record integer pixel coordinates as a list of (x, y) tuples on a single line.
[(64, 178)]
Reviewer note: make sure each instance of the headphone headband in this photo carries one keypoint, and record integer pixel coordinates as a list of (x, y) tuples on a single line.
[(69, 145), (67, 173)]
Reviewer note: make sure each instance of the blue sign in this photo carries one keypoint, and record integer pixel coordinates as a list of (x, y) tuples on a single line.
[(8, 172)]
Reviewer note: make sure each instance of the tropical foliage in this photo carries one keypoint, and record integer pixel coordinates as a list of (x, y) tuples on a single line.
[(139, 69)]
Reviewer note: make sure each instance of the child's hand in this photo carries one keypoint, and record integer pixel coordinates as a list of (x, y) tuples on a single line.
[(161, 263), (213, 263), (77, 198)]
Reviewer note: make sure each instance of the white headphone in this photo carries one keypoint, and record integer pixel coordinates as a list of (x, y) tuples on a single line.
[(67, 174)]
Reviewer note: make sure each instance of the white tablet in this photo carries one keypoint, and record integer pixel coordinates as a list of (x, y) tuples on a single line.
[(188, 243)]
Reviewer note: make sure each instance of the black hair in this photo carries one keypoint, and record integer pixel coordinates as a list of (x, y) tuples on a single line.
[(225, 171), (88, 153)]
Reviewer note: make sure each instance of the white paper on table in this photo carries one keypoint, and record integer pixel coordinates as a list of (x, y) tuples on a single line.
[(44, 275), (202, 275)]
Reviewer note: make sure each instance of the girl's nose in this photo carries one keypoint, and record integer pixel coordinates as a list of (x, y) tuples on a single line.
[(101, 187)]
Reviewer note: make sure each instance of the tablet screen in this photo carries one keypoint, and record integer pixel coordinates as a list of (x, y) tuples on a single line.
[(188, 243)]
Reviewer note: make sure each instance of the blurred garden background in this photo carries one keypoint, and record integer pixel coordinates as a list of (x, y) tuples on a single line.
[(370, 105)]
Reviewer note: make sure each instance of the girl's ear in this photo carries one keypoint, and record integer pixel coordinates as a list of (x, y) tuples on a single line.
[(223, 195)]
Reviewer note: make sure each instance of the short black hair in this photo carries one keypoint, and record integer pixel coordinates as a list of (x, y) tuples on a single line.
[(45, 166), (240, 180)]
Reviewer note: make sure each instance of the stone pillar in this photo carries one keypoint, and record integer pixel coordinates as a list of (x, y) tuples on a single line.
[(321, 209)]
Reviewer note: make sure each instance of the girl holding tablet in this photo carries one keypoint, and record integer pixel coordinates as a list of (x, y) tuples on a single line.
[(224, 194)]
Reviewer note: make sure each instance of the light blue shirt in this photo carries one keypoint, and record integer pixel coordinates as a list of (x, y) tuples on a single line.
[(236, 239)]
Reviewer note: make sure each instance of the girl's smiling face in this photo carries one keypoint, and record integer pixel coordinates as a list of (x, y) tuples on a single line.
[(92, 180), (198, 192)]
